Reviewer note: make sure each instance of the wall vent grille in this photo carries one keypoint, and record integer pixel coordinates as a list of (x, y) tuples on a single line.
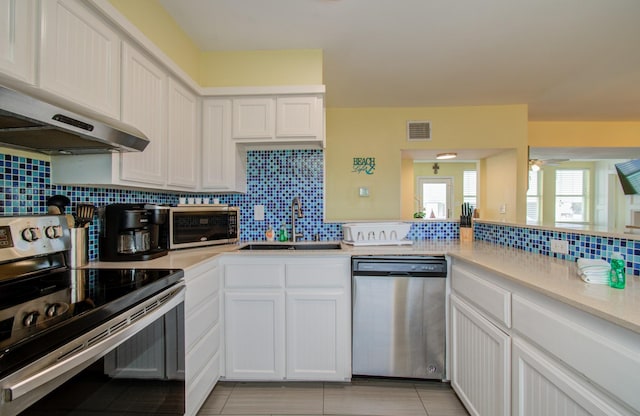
[(418, 130)]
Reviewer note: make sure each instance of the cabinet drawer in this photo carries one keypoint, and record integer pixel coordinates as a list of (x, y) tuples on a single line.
[(254, 276), (606, 355), (200, 321), (317, 275), (201, 289), (203, 371), (490, 298)]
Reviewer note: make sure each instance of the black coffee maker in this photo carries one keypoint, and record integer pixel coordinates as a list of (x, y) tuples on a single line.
[(131, 232)]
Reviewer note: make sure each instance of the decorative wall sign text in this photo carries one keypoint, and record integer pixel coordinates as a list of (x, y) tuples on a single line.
[(364, 164)]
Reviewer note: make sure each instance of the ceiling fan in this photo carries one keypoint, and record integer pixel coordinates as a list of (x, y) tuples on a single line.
[(537, 164)]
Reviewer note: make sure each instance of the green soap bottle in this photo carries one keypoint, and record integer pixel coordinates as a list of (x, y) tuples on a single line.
[(617, 275), (283, 236)]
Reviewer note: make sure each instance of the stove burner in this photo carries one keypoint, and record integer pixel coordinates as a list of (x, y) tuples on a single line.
[(56, 307)]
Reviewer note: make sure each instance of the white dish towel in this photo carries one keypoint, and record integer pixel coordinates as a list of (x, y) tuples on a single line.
[(594, 271)]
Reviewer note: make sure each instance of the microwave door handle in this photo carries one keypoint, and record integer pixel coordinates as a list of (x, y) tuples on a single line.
[(73, 364)]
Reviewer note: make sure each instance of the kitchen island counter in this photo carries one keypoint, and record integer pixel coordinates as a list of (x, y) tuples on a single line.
[(553, 277)]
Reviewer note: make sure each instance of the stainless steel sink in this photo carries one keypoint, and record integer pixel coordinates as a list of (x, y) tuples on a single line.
[(317, 246), (296, 246)]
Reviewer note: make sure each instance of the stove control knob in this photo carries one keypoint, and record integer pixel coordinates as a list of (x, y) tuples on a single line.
[(53, 231), (52, 310), (30, 234), (30, 319)]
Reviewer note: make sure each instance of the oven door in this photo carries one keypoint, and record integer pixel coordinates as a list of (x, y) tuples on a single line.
[(196, 227), (132, 364)]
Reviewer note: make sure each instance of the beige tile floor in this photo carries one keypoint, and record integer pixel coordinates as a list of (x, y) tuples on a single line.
[(362, 396)]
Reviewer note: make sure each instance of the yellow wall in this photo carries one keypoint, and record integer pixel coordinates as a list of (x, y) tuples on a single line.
[(381, 133), (221, 68), (501, 188), (154, 21), (259, 68), (584, 134)]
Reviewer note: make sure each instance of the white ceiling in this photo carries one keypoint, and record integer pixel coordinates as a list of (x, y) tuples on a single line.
[(566, 59)]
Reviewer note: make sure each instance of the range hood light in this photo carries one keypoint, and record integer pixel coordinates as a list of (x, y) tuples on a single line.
[(443, 156)]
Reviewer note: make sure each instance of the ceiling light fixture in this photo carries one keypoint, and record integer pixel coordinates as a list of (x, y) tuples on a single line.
[(443, 156), (535, 165)]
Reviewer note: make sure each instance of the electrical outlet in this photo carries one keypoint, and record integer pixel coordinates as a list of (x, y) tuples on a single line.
[(258, 212), (560, 246)]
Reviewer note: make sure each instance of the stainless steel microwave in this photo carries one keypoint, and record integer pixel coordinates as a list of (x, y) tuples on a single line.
[(201, 225)]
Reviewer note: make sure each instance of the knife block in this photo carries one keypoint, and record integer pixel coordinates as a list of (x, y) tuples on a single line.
[(466, 234)]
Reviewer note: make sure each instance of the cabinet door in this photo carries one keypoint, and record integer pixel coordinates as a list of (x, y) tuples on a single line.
[(80, 57), (254, 335), (17, 39), (223, 163), (544, 387), (253, 118), (298, 117), (317, 335), (143, 106), (480, 362), (182, 136), (203, 331)]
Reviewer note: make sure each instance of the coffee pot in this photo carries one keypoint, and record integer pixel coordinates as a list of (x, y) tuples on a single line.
[(131, 232)]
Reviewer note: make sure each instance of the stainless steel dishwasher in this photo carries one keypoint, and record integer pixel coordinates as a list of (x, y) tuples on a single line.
[(399, 316)]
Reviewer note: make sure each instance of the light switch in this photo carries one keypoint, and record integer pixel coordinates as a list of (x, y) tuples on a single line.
[(364, 191), (258, 212)]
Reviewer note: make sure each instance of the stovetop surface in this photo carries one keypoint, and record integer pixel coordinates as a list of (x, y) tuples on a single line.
[(42, 312)]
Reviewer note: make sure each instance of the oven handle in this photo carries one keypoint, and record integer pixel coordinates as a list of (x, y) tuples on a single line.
[(88, 355)]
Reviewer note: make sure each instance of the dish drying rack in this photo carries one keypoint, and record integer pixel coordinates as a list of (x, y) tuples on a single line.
[(376, 233)]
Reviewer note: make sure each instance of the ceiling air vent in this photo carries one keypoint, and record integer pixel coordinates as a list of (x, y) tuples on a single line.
[(418, 130)]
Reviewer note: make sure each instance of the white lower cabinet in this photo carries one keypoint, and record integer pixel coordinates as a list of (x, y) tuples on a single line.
[(480, 361), (542, 386), (203, 333), (287, 318), (515, 351), (254, 335)]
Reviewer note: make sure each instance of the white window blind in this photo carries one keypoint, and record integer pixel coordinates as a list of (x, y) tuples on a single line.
[(570, 182), (571, 195), (469, 187)]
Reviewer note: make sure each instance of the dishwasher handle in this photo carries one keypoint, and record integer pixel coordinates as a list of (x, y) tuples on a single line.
[(400, 274)]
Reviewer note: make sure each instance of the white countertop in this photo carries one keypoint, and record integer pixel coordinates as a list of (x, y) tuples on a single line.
[(555, 278)]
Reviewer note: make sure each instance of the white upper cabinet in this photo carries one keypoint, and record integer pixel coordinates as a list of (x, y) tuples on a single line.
[(253, 118), (17, 29), (223, 163), (279, 119), (299, 116), (182, 118), (79, 56), (144, 95)]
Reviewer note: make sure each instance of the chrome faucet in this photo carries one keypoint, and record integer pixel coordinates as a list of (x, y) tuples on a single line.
[(295, 203)]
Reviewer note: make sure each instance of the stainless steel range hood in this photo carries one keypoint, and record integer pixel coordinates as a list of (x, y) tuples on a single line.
[(32, 124)]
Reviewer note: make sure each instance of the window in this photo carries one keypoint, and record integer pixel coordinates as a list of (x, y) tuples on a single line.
[(436, 196), (534, 198), (469, 187), (571, 195)]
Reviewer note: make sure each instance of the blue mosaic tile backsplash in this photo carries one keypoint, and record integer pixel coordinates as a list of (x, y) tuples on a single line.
[(273, 179), (580, 245)]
